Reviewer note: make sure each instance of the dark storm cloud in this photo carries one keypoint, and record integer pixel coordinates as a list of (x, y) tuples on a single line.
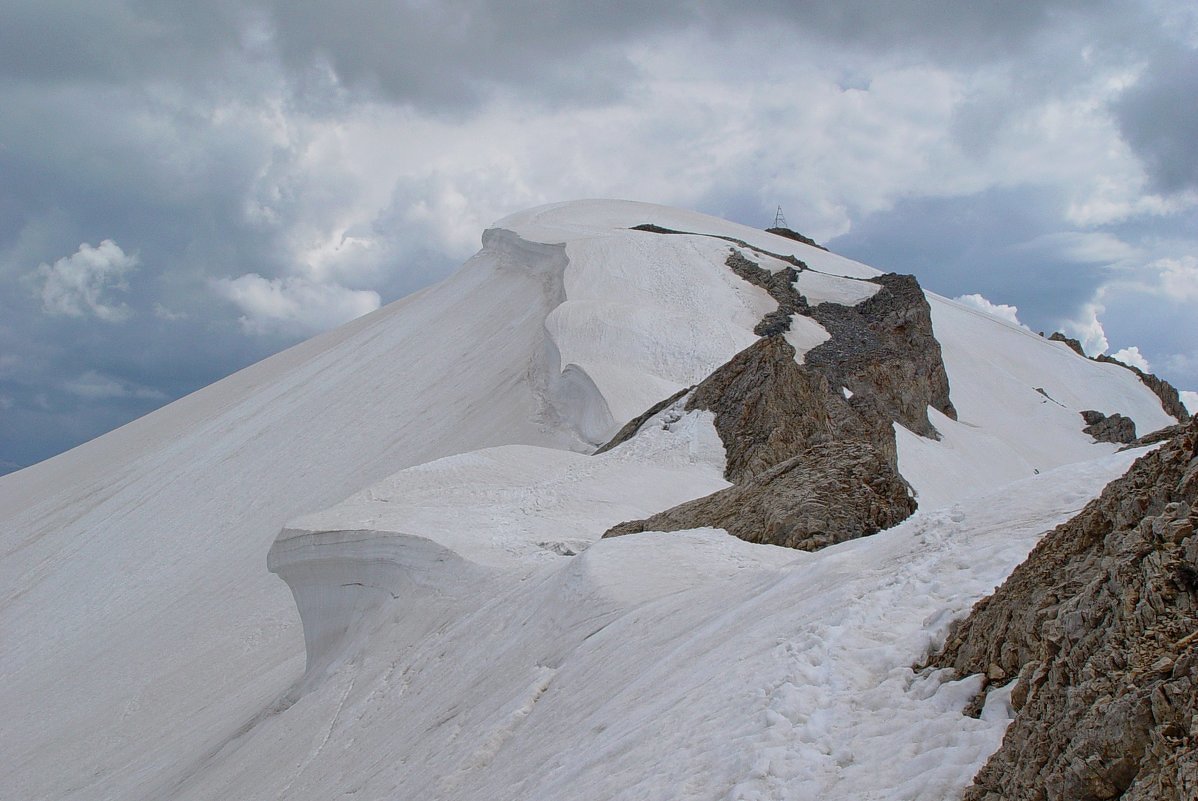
[(1158, 117)]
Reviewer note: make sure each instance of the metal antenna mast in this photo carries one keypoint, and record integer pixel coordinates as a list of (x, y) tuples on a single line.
[(780, 219)]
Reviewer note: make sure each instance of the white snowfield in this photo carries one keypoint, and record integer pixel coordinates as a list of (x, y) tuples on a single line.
[(469, 636)]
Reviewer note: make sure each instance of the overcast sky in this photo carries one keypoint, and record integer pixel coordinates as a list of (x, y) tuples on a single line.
[(189, 185)]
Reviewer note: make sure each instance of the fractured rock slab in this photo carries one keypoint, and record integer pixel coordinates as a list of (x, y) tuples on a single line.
[(1100, 627)]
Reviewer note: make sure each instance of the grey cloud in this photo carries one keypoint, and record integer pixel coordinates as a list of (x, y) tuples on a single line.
[(294, 305), (1158, 116), (451, 53), (82, 284), (97, 41), (977, 244), (148, 122), (1165, 337), (92, 385)]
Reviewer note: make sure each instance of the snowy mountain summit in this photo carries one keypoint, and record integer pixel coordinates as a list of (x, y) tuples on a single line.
[(807, 472)]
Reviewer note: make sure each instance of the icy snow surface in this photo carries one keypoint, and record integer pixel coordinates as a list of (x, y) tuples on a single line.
[(435, 450)]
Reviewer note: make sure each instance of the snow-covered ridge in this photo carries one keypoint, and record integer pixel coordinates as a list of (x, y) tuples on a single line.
[(153, 647), (640, 316)]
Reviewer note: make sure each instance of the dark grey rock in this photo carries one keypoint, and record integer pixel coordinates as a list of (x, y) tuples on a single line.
[(883, 349), (1100, 627), (809, 468), (796, 236), (1116, 428), (829, 493), (1057, 336)]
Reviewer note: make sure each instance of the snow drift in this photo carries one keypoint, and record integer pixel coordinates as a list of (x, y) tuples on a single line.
[(467, 636)]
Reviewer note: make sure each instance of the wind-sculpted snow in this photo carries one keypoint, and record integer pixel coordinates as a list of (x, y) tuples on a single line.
[(448, 524), (689, 665), (434, 451)]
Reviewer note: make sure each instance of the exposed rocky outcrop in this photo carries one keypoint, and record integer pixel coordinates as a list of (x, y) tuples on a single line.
[(829, 493), (1169, 397), (779, 285), (809, 468), (1100, 628), (1116, 428), (796, 236), (1074, 344), (1160, 435), (884, 351), (769, 409)]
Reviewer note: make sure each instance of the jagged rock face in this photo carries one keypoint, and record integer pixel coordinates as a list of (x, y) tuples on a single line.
[(1100, 626), (809, 468), (768, 409), (883, 349), (1116, 428)]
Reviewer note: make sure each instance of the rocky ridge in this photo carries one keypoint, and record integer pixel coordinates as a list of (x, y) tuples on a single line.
[(811, 463), (1099, 631), (1170, 399), (796, 236)]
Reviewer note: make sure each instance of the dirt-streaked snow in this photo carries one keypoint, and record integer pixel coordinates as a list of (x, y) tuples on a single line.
[(147, 652)]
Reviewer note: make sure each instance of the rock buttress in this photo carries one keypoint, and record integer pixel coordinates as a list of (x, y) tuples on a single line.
[(884, 349), (1100, 629), (808, 468)]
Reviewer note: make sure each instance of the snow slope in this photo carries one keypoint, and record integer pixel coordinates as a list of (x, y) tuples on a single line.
[(689, 666), (148, 653)]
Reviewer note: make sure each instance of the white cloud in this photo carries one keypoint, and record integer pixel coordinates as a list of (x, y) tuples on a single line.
[(92, 385), (1088, 329), (1002, 311), (1133, 357), (1179, 277), (1190, 399), (1081, 247), (293, 305), (78, 285)]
